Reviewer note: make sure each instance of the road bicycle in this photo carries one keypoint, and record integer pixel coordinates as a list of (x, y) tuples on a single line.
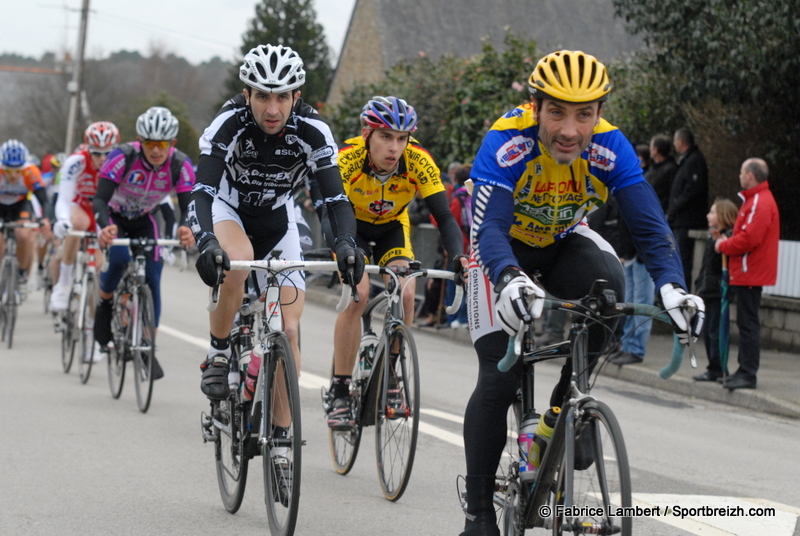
[(583, 483), (385, 387), (76, 322), (269, 424), (47, 282), (133, 325), (11, 296)]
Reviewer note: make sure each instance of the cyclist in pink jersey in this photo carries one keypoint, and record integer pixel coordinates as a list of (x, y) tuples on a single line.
[(133, 182)]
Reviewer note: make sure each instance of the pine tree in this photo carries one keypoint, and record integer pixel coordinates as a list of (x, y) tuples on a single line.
[(291, 23)]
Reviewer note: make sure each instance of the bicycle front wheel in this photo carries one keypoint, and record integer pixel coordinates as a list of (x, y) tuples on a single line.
[(88, 300), (117, 348), (344, 443), (143, 347), (10, 300), (594, 477), (282, 436), (397, 412), (69, 331)]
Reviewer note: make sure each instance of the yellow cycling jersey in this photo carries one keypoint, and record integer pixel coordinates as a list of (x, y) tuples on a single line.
[(379, 202)]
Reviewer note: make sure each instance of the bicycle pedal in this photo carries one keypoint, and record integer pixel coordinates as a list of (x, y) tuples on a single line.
[(207, 427)]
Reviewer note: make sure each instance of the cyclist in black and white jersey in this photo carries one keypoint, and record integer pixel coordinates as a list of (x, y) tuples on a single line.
[(260, 146)]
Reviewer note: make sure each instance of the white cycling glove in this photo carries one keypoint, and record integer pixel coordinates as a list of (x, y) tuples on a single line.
[(62, 228), (518, 300), (674, 298)]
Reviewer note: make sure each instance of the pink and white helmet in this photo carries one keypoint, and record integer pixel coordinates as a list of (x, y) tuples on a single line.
[(101, 136)]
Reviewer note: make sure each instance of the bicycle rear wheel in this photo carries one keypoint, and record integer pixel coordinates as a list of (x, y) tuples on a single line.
[(230, 420), (85, 326), (143, 347), (117, 348), (397, 412), (511, 494), (281, 448), (69, 330), (6, 294), (597, 477)]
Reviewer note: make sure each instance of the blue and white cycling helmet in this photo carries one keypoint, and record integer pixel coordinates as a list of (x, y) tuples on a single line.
[(389, 112), (14, 154), (157, 123), (272, 69)]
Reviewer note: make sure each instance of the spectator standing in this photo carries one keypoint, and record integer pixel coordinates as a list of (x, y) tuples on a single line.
[(461, 207), (661, 172), (752, 250), (688, 200), (721, 218)]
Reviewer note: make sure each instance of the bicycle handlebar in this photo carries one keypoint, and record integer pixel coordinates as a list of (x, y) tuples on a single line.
[(642, 309), (167, 242), (407, 271)]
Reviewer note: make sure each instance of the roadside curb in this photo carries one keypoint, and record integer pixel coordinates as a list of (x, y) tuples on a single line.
[(744, 398)]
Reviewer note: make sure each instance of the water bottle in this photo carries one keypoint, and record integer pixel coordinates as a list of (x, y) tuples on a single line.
[(252, 372), (527, 430), (369, 343), (544, 431)]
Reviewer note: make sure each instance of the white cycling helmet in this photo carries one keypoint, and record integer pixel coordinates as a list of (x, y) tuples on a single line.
[(157, 123), (272, 69)]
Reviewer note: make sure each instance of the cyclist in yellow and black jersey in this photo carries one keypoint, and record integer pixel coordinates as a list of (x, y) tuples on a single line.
[(382, 170)]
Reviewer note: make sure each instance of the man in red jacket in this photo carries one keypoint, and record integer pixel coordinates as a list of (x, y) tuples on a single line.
[(753, 254)]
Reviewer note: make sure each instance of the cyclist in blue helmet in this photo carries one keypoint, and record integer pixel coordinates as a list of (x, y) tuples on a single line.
[(382, 171)]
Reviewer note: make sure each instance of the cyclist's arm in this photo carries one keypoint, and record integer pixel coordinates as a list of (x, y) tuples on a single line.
[(339, 210), (198, 210), (451, 234), (168, 213), (493, 217), (654, 241), (105, 189)]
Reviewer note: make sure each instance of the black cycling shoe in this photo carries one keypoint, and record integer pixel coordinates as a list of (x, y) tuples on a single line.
[(158, 372), (480, 527), (340, 414), (215, 377), (584, 450)]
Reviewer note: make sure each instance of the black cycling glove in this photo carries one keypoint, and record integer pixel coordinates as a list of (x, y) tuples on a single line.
[(459, 270), (207, 262), (348, 255)]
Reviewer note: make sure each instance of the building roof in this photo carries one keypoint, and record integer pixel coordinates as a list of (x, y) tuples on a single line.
[(384, 32)]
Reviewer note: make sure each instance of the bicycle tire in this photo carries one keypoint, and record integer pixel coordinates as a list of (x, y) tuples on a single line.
[(397, 424), (280, 398), (603, 481), (143, 347), (117, 351), (509, 499), (69, 333), (344, 444), (5, 293), (88, 301), (231, 459), (11, 299)]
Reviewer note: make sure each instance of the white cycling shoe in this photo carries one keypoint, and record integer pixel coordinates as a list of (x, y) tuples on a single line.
[(59, 299)]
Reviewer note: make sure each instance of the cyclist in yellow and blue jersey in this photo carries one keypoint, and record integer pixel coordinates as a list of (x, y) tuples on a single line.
[(382, 170), (540, 170)]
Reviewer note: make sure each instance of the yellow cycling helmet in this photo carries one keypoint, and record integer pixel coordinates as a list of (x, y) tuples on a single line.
[(569, 76)]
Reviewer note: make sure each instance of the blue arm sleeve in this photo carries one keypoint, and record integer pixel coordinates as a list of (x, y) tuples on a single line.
[(654, 241), (493, 248)]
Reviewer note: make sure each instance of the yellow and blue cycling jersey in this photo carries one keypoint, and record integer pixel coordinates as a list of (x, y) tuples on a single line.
[(523, 193), (378, 202), (550, 198)]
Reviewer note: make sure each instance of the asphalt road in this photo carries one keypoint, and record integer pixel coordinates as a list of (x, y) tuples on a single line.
[(75, 461)]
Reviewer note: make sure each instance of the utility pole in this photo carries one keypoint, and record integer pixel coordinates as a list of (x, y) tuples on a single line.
[(75, 85)]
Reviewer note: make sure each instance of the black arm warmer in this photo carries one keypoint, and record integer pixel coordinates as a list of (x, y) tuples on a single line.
[(209, 175), (452, 238), (340, 211), (105, 189)]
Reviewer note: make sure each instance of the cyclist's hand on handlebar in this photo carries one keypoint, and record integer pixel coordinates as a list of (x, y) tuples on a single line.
[(675, 300), (61, 228), (185, 236), (519, 301), (211, 257), (108, 234), (459, 266), (350, 259)]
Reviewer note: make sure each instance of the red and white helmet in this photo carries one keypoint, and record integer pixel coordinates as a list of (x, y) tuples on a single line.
[(101, 136)]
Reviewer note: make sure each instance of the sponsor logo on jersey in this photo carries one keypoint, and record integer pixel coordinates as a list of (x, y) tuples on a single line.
[(322, 152), (286, 152), (291, 139), (602, 157), (381, 206), (137, 178), (514, 151)]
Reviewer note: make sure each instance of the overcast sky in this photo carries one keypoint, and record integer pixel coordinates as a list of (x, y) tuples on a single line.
[(193, 29)]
